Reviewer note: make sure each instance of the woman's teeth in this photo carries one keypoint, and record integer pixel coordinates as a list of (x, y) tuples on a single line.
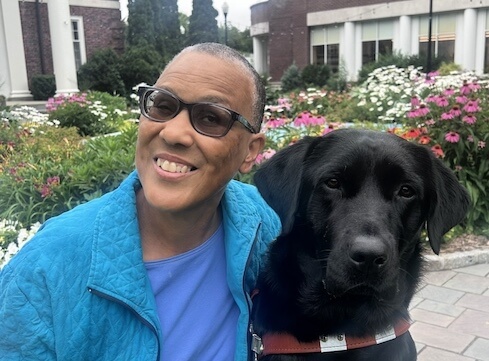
[(172, 167)]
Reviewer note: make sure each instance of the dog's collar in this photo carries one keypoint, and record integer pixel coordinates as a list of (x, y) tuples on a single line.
[(283, 343)]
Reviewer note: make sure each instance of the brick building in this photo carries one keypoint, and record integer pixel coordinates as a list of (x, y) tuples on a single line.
[(345, 34), (53, 37)]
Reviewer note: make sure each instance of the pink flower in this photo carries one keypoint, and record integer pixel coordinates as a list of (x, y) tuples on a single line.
[(452, 137), (447, 116), (267, 154), (423, 110), (469, 119), (465, 89), (470, 138), (449, 92), (482, 144), (275, 123), (441, 101), (474, 86), (461, 99), (415, 101), (456, 111), (472, 106)]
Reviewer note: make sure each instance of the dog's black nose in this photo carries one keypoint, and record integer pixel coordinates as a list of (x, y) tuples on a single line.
[(368, 254)]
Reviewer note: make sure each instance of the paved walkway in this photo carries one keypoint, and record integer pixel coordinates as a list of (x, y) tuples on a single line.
[(451, 315)]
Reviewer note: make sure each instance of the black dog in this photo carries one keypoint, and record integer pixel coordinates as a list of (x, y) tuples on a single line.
[(340, 277)]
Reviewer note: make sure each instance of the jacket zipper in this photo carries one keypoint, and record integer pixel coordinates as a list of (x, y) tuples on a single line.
[(248, 297), (141, 318)]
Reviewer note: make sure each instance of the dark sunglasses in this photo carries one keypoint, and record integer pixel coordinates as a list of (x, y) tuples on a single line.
[(209, 119)]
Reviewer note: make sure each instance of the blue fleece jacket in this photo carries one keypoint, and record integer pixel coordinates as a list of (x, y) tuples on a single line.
[(79, 289)]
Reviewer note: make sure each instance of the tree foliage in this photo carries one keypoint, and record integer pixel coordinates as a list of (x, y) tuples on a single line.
[(203, 23), (167, 28), (140, 30), (154, 23)]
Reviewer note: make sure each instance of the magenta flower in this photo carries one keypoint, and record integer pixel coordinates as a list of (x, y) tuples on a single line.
[(267, 154), (423, 110), (275, 123), (441, 101), (472, 106), (415, 101), (474, 86), (465, 89), (447, 116), (461, 99), (469, 119), (456, 111), (452, 137), (449, 92)]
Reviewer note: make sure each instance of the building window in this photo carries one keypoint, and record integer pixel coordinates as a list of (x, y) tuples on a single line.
[(442, 36), (325, 43), (376, 40), (78, 40)]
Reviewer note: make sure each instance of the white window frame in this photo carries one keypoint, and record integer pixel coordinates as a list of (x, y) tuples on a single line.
[(81, 37)]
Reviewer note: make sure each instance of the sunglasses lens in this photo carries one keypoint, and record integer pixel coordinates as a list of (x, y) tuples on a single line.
[(211, 120), (160, 106)]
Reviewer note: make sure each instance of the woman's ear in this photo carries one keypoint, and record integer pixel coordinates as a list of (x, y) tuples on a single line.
[(255, 146)]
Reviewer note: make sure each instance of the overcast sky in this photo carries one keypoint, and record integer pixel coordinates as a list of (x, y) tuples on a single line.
[(238, 14)]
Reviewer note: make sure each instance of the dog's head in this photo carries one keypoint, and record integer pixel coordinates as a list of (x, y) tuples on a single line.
[(366, 195)]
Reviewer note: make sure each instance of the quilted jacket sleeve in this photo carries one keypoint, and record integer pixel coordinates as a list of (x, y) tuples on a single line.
[(25, 330)]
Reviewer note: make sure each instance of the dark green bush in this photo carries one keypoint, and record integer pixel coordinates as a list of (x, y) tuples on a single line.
[(101, 72), (82, 117), (138, 65), (43, 86), (291, 79), (315, 75)]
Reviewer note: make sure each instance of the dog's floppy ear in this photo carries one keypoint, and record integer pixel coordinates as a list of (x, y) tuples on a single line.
[(279, 181), (449, 204)]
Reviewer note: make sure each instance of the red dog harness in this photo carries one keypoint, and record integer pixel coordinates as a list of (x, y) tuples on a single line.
[(283, 343)]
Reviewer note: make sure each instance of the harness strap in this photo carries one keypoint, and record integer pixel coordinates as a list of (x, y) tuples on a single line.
[(278, 344)]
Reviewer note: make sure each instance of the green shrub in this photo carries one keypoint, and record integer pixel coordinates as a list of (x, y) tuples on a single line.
[(291, 79), (315, 75), (43, 86), (140, 64), (101, 72), (55, 170), (448, 68), (92, 113)]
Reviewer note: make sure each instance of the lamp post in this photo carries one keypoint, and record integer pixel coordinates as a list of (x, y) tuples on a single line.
[(225, 10), (429, 54)]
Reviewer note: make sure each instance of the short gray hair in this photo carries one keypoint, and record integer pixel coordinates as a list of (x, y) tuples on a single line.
[(226, 53)]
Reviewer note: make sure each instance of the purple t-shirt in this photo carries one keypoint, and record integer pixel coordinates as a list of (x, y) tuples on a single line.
[(198, 314)]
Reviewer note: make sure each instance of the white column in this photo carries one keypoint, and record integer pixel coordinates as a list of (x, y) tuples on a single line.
[(62, 46), (469, 39), (349, 50), (405, 35), (260, 55), (13, 57), (480, 42)]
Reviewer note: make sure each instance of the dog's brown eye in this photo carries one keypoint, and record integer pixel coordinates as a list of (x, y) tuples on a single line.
[(406, 192), (333, 183)]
